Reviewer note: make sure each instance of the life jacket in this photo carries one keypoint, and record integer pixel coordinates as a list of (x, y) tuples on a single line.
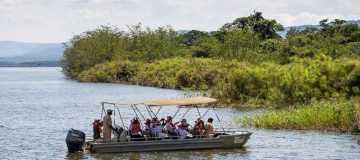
[(96, 126), (135, 128), (171, 124), (201, 127), (183, 127)]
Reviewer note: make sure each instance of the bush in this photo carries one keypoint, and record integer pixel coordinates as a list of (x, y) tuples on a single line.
[(301, 81), (115, 71), (336, 115)]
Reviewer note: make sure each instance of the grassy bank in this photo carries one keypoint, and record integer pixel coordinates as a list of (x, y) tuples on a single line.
[(336, 115), (263, 84)]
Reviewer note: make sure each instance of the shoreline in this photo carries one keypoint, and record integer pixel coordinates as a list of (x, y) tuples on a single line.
[(271, 109)]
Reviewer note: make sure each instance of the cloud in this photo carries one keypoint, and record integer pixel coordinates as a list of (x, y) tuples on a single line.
[(58, 21), (7, 6)]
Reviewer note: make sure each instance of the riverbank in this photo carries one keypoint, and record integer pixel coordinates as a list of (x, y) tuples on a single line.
[(336, 115), (240, 85), (265, 84)]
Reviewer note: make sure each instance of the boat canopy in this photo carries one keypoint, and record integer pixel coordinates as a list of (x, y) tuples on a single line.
[(170, 102), (181, 101)]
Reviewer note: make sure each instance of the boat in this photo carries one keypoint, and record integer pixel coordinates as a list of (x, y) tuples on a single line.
[(223, 138)]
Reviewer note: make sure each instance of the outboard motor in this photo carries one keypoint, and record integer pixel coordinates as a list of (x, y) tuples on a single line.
[(75, 140)]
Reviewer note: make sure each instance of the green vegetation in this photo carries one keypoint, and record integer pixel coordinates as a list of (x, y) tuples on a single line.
[(337, 115), (244, 63)]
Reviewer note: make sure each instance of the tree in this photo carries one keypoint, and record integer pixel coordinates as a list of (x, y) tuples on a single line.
[(206, 47), (240, 44), (89, 49), (265, 28), (190, 37)]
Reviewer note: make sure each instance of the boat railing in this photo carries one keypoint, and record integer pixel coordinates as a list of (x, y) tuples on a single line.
[(229, 130), (157, 138)]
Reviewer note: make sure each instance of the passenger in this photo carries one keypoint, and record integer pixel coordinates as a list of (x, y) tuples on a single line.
[(199, 128), (135, 129), (97, 128), (146, 131), (147, 124), (156, 128), (209, 128), (107, 127), (183, 129), (170, 128)]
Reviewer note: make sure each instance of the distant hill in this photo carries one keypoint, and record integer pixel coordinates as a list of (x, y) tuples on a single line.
[(302, 27), (54, 63), (21, 53)]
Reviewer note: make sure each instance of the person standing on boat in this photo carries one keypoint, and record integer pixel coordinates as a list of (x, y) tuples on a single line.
[(107, 125), (209, 128)]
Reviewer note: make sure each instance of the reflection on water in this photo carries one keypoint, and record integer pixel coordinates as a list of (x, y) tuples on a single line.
[(39, 105), (202, 154)]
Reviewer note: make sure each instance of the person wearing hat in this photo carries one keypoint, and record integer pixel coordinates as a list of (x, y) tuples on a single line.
[(107, 126)]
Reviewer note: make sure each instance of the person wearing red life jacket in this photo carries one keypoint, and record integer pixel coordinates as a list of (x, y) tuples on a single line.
[(199, 128), (183, 129), (135, 129), (97, 124)]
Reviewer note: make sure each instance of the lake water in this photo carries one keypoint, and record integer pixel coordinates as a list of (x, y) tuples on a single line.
[(39, 105)]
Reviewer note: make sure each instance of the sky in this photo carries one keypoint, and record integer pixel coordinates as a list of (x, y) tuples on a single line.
[(52, 21)]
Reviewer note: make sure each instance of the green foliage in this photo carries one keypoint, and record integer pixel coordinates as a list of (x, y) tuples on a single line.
[(90, 48), (301, 81), (239, 45), (336, 115), (150, 45), (190, 38), (107, 44), (206, 47), (179, 73), (256, 23), (243, 62), (115, 71)]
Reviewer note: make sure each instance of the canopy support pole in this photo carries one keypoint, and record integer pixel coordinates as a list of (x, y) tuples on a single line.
[(218, 119), (205, 112), (158, 111), (185, 113), (133, 107), (148, 111), (122, 122), (176, 112), (134, 111), (152, 111), (114, 115), (197, 110), (140, 112), (102, 110)]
